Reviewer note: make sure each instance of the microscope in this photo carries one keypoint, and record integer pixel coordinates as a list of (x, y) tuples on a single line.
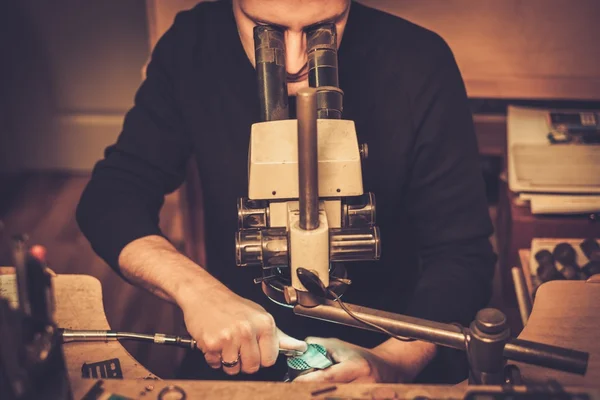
[(306, 215), (306, 206)]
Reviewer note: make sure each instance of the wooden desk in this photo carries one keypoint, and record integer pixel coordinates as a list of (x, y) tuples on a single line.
[(579, 325), (79, 306), (567, 314), (219, 390)]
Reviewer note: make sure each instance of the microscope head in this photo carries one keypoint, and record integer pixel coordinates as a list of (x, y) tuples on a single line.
[(306, 209)]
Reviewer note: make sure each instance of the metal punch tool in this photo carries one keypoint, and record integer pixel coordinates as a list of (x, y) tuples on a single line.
[(71, 335)]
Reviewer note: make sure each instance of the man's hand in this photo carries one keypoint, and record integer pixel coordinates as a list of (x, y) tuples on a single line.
[(379, 365), (226, 326), (230, 328)]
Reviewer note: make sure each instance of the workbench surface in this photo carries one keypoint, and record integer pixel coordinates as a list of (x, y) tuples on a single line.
[(565, 314)]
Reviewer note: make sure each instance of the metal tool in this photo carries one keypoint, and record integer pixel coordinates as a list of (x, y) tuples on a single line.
[(70, 335), (523, 299)]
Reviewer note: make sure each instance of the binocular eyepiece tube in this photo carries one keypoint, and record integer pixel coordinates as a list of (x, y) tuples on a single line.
[(321, 43), (269, 52)]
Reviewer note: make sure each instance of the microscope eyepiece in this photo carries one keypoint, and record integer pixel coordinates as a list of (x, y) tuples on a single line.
[(321, 43), (269, 52)]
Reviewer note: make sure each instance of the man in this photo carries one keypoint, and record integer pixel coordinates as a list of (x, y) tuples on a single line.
[(404, 92)]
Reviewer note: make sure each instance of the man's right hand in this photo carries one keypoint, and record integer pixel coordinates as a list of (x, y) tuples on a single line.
[(229, 328), (224, 324)]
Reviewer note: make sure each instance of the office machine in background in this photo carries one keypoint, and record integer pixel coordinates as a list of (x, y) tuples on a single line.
[(554, 159)]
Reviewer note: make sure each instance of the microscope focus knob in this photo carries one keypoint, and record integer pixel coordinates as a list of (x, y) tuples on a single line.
[(491, 321), (264, 248), (359, 211)]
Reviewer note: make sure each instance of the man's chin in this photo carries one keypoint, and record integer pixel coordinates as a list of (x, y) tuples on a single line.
[(293, 87)]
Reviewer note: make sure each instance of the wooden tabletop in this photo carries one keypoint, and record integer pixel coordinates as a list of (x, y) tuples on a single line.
[(79, 306), (565, 314), (219, 390)]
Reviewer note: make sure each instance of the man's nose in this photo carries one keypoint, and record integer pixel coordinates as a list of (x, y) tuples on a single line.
[(295, 51)]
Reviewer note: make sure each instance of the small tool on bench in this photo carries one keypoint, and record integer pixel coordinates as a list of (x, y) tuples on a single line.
[(70, 335)]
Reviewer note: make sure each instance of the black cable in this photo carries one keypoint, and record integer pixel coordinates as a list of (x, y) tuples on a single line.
[(467, 351), (370, 324)]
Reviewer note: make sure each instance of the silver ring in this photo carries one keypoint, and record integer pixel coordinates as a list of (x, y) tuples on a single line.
[(232, 363), (171, 389)]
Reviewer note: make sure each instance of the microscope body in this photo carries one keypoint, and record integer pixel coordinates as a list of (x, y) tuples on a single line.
[(306, 207), (270, 232)]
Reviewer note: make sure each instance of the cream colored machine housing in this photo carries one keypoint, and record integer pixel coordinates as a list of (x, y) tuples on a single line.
[(270, 235), (273, 159), (273, 174)]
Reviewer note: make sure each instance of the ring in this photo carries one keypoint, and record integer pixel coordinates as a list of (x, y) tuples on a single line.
[(232, 363), (172, 389)]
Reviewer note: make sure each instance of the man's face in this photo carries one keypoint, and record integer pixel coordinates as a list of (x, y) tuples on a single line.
[(293, 16)]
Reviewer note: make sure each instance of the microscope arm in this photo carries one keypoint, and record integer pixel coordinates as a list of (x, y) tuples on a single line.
[(447, 335)]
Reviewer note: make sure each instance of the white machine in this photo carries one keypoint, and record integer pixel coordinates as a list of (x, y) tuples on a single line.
[(306, 207), (554, 159)]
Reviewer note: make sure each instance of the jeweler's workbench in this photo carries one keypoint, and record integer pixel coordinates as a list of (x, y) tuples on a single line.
[(565, 313)]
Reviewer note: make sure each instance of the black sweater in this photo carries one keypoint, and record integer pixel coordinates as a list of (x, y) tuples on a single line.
[(405, 93)]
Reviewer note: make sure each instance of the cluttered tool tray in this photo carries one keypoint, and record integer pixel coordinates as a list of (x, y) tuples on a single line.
[(532, 277)]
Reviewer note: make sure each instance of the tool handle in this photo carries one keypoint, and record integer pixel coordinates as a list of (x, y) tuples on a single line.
[(70, 335), (186, 342)]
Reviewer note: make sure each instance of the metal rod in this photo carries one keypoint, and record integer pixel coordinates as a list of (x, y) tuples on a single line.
[(70, 335), (523, 299), (547, 356), (448, 335), (430, 331), (308, 177), (269, 52)]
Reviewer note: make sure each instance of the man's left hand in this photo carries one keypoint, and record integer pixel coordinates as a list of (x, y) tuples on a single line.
[(353, 364)]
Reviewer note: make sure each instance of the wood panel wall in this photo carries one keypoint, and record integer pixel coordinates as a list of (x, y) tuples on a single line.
[(526, 49), (69, 72)]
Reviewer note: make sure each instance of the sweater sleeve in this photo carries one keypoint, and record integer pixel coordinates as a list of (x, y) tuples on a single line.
[(123, 199), (446, 197)]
